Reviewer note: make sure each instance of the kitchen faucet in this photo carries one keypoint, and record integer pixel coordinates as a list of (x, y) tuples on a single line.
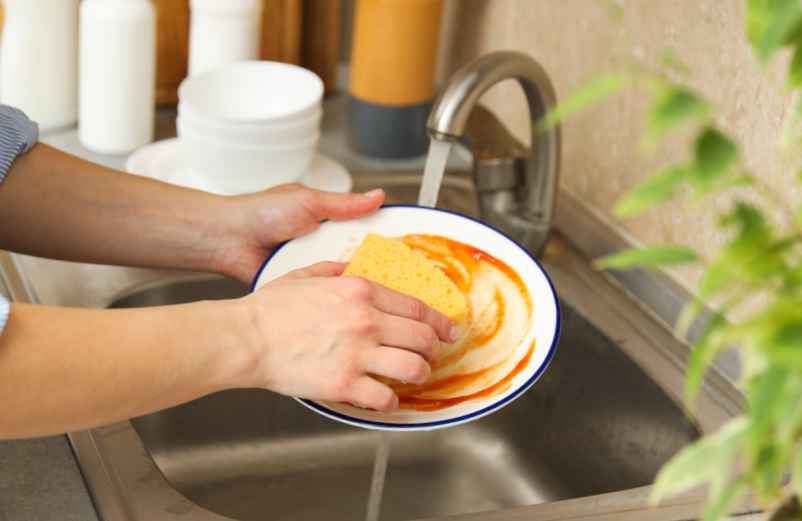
[(516, 185)]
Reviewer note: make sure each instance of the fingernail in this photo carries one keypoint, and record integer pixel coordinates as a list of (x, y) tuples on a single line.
[(374, 192), (454, 333)]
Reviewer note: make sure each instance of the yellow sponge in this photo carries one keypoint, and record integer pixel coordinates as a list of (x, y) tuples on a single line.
[(392, 263)]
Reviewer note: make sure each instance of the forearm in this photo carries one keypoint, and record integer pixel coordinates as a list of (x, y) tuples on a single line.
[(64, 369), (56, 205)]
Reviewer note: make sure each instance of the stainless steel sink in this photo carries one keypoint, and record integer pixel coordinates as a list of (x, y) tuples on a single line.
[(585, 441), (594, 423)]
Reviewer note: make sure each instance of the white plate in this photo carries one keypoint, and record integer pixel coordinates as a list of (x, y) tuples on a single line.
[(334, 240), (162, 161)]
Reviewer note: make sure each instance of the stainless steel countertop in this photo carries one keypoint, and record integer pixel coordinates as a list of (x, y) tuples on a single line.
[(40, 481)]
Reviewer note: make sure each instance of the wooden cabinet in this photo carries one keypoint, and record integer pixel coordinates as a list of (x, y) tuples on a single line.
[(305, 32), (322, 37), (172, 48), (281, 30)]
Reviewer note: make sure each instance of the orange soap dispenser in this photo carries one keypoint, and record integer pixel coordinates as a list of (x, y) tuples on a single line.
[(392, 76)]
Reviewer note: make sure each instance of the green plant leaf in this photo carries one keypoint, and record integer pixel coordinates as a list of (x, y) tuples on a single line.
[(785, 345), (794, 36), (771, 395), (795, 69), (656, 189), (719, 275), (756, 20), (702, 461), (595, 91), (750, 225), (720, 505), (714, 151), (714, 156), (773, 326), (734, 181), (721, 184), (752, 256), (648, 257), (792, 282), (786, 15), (765, 398), (687, 316), (702, 356), (790, 424), (770, 25), (673, 106), (753, 360), (768, 466)]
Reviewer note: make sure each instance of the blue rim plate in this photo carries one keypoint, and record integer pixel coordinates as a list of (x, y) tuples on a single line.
[(336, 240)]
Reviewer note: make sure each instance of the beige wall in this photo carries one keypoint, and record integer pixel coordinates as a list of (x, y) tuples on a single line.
[(573, 39)]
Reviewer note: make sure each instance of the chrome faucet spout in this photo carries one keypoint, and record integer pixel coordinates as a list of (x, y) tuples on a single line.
[(517, 187)]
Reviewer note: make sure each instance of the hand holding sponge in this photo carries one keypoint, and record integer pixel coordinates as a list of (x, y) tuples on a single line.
[(393, 264)]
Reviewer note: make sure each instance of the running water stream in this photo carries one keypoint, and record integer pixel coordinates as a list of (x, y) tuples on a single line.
[(429, 190), (433, 172), (377, 481)]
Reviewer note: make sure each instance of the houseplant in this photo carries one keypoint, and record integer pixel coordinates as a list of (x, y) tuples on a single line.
[(753, 282)]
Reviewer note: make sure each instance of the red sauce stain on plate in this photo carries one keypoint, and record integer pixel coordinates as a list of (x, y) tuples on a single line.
[(463, 264)]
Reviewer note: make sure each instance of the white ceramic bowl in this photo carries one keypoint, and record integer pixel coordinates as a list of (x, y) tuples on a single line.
[(245, 124), (333, 240), (276, 133), (252, 91), (244, 168)]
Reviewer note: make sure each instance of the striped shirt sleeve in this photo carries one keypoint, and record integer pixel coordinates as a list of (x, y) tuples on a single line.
[(17, 135), (5, 309)]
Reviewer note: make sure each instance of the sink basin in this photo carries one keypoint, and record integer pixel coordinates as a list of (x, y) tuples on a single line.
[(602, 420), (594, 423)]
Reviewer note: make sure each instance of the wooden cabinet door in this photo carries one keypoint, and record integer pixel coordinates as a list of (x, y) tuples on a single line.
[(172, 48), (305, 32)]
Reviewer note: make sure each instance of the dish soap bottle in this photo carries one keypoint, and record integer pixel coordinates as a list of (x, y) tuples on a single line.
[(39, 60), (393, 60), (118, 75)]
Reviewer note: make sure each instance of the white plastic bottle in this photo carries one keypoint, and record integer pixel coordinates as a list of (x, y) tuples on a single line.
[(223, 31), (118, 74), (39, 60)]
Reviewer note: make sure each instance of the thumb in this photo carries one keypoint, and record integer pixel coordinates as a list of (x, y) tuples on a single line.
[(337, 206)]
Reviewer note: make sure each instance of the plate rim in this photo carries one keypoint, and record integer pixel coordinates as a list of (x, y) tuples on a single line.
[(475, 415)]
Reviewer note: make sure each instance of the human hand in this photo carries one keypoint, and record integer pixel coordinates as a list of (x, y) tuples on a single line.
[(253, 224), (321, 336)]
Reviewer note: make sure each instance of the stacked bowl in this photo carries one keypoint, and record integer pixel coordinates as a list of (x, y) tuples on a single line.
[(250, 125)]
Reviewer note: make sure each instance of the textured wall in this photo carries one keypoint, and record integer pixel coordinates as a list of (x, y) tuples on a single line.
[(573, 39)]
